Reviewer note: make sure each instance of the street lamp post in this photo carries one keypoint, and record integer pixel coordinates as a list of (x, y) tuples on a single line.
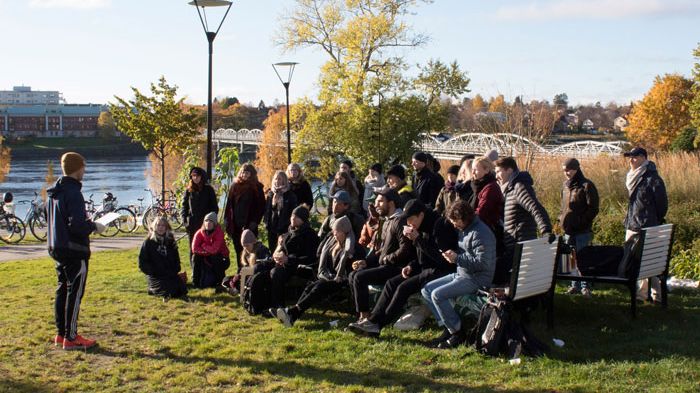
[(203, 4), (289, 65)]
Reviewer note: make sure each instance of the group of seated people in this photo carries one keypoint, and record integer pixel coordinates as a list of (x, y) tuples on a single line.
[(439, 242)]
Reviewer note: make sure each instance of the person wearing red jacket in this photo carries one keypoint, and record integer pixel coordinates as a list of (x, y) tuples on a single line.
[(486, 198), (245, 207), (210, 254)]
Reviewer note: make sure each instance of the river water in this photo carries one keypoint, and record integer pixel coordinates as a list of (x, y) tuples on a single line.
[(124, 177)]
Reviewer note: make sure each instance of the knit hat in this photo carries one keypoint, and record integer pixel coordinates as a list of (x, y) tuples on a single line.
[(342, 224), (420, 156), (376, 167), (302, 212), (398, 171), (453, 170), (211, 217), (71, 162), (571, 164), (492, 155), (413, 208), (248, 237)]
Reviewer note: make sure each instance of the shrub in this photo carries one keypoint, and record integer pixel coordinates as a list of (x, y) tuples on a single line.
[(686, 264)]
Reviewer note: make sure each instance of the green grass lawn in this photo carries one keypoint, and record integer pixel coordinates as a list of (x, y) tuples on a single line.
[(212, 344)]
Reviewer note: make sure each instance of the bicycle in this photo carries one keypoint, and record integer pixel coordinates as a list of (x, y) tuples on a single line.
[(94, 214), (127, 217), (320, 198), (168, 210), (12, 228), (36, 217)]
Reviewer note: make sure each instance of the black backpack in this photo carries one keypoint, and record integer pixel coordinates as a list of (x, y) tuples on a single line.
[(256, 293)]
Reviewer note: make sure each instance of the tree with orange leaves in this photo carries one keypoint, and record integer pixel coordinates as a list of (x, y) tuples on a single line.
[(272, 153)]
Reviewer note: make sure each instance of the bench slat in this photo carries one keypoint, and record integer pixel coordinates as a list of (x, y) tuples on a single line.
[(655, 241), (646, 257), (649, 250)]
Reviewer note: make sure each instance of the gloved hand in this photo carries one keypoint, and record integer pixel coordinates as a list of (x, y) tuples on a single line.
[(99, 228), (551, 238)]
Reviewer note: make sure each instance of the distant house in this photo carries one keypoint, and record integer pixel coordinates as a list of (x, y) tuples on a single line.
[(620, 123), (587, 125), (572, 121)]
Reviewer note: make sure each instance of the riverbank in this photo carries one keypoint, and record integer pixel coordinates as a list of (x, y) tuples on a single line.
[(88, 147)]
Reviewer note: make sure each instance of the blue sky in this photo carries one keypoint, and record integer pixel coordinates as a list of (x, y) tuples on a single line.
[(594, 50)]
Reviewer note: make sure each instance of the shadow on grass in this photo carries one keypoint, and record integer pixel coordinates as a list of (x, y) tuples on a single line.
[(13, 386), (379, 378)]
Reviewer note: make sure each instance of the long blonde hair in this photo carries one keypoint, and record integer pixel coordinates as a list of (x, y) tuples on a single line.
[(152, 234)]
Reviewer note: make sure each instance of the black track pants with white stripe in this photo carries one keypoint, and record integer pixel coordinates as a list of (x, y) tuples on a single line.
[(72, 275)]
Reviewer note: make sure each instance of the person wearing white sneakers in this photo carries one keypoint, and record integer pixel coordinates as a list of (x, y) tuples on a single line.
[(68, 242)]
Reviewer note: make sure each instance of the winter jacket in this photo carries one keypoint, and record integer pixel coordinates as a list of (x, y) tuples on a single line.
[(579, 205), (212, 243), (355, 219), (448, 195), (488, 200), (406, 193), (523, 214), (260, 253), (197, 204), (477, 259), (277, 218), (434, 234), (336, 268), (302, 190), (648, 203), (370, 185), (300, 245), (245, 206), (159, 258), (68, 226), (425, 185), (395, 248)]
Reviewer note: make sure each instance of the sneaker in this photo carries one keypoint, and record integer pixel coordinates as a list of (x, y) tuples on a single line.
[(270, 313), (455, 340), (365, 328), (573, 291), (79, 343), (286, 317), (586, 292), (437, 341), (58, 340)]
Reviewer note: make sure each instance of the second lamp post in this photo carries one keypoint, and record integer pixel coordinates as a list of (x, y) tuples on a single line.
[(289, 66)]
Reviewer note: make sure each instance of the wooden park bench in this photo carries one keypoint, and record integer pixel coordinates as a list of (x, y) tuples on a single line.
[(655, 244)]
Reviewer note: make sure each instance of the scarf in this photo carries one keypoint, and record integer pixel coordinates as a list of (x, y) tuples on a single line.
[(575, 181), (634, 177), (450, 186), (478, 185), (241, 187), (278, 195)]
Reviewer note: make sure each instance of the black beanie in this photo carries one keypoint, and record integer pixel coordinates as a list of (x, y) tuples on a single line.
[(398, 171), (376, 167), (453, 170), (413, 208), (301, 212), (420, 156)]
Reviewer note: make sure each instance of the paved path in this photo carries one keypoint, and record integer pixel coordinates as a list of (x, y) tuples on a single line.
[(38, 250)]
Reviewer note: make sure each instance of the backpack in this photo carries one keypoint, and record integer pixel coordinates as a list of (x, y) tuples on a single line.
[(488, 333), (256, 293)]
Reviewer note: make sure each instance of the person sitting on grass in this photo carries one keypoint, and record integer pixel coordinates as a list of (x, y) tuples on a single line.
[(476, 264), (254, 255), (333, 269), (210, 254), (159, 260)]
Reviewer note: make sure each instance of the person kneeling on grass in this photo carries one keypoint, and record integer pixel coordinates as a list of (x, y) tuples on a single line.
[(160, 261), (333, 268), (209, 254), (476, 264)]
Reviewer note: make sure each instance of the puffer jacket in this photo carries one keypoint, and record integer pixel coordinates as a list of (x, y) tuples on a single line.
[(523, 214), (477, 258), (648, 202), (579, 205), (68, 226)]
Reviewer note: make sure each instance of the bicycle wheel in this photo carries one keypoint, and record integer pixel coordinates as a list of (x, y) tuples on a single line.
[(12, 229), (174, 218), (320, 204), (111, 229), (148, 216), (127, 220), (38, 226)]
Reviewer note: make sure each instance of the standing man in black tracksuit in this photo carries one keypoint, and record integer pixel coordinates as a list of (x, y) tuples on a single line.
[(69, 245)]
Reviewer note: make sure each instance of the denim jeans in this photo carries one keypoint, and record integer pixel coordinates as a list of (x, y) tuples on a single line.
[(579, 241), (438, 293)]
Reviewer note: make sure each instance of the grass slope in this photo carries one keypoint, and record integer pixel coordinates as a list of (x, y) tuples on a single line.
[(212, 344)]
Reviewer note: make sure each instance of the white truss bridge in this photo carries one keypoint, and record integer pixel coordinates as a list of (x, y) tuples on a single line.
[(476, 143)]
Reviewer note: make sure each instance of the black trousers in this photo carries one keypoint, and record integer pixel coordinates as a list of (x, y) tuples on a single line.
[(272, 240), (396, 292), (72, 275), (279, 276), (360, 279), (166, 286), (317, 291)]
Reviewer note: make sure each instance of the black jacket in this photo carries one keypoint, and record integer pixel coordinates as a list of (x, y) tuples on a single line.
[(523, 214), (300, 246), (435, 234), (579, 205), (68, 226), (395, 248), (648, 203), (159, 258), (197, 204), (303, 193), (277, 219), (427, 186)]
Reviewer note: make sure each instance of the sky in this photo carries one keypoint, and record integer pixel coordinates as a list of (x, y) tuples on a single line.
[(592, 50)]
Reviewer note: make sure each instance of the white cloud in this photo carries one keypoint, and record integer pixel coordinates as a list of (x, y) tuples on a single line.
[(596, 9), (74, 4)]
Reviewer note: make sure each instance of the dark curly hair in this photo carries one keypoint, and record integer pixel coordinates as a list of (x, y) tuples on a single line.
[(461, 210)]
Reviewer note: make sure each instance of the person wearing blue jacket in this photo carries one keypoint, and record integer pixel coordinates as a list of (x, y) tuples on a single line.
[(476, 264), (68, 242)]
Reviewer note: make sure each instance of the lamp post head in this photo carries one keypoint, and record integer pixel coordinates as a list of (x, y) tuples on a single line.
[(204, 4), (210, 3), (282, 66)]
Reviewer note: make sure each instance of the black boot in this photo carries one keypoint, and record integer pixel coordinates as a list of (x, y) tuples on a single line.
[(437, 341), (455, 340)]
